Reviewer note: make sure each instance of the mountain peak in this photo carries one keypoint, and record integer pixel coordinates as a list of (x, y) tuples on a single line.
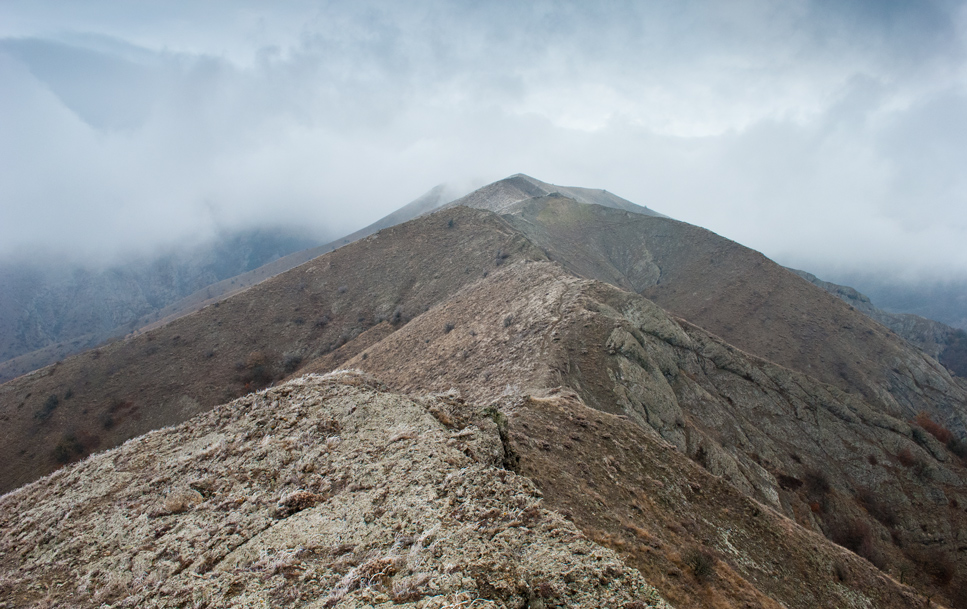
[(499, 196)]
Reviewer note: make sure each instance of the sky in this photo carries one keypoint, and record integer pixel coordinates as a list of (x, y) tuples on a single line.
[(829, 134)]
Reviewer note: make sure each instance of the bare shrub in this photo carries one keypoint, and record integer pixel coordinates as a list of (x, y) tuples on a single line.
[(958, 447), (876, 508), (816, 483), (68, 448), (255, 372), (701, 562), (291, 361), (936, 563), (855, 534), (906, 458), (50, 404), (933, 428)]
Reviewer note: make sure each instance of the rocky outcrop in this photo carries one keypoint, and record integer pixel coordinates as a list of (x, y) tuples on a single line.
[(322, 492), (746, 299)]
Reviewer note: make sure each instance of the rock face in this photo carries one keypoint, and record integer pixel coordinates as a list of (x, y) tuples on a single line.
[(748, 300), (322, 492)]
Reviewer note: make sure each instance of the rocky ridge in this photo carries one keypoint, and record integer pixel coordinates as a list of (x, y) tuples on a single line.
[(322, 492), (746, 299), (824, 458)]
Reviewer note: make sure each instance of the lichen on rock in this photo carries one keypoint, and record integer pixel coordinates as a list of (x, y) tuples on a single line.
[(322, 492)]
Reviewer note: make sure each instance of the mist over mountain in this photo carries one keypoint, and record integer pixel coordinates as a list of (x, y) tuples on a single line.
[(944, 301), (56, 308), (820, 135)]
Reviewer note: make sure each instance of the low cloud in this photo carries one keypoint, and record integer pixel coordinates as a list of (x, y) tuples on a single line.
[(828, 135)]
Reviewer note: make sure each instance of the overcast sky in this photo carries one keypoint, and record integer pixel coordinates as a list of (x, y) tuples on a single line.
[(827, 134)]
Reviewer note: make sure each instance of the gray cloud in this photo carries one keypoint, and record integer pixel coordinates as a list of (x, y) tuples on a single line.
[(827, 134)]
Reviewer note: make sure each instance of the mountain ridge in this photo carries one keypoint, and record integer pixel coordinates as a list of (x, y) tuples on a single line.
[(687, 344)]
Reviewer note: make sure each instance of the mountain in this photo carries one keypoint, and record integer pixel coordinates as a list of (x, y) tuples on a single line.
[(739, 436), (49, 310), (139, 296), (944, 343), (504, 194), (201, 278), (942, 300)]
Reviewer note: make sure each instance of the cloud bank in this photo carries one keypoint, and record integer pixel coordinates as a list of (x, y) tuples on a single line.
[(829, 135)]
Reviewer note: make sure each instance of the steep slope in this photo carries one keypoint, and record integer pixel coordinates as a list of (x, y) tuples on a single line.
[(748, 300), (101, 398), (223, 289), (323, 492), (825, 459), (944, 343)]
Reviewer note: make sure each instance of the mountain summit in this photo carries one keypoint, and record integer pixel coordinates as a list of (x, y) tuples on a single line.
[(701, 427)]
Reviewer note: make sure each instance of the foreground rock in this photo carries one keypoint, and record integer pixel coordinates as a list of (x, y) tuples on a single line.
[(323, 492)]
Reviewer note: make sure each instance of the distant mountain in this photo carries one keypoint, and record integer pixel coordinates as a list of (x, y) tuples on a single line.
[(737, 435), (50, 310), (944, 301), (944, 343)]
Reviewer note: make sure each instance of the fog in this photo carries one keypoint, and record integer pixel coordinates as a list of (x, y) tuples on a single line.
[(831, 136)]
